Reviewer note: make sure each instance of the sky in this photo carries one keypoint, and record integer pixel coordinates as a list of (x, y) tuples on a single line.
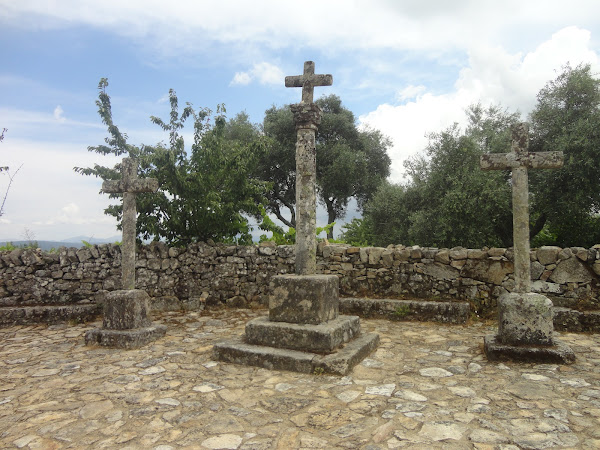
[(407, 68)]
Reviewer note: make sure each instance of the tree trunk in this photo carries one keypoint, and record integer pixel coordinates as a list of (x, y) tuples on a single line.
[(331, 216)]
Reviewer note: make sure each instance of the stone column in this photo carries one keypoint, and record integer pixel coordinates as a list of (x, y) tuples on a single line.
[(307, 118), (128, 241)]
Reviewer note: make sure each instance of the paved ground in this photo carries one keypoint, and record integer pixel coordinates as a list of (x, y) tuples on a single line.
[(427, 386)]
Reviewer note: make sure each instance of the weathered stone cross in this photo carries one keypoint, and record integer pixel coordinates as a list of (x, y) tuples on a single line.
[(129, 185), (308, 80), (307, 117), (519, 161)]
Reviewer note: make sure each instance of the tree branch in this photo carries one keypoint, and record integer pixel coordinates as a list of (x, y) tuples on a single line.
[(11, 178)]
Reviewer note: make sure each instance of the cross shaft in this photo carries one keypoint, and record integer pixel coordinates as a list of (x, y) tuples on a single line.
[(519, 161), (129, 185)]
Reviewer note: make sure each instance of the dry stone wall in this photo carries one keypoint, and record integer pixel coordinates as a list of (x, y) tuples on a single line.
[(188, 278)]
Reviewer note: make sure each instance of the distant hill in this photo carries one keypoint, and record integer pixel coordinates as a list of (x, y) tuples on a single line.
[(76, 241)]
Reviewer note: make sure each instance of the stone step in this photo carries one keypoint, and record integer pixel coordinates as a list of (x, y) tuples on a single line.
[(414, 310), (323, 338), (27, 315), (566, 319), (339, 363)]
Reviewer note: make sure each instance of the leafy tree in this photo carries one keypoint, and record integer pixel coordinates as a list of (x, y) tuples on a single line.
[(351, 162), (203, 195), (448, 200), (566, 202)]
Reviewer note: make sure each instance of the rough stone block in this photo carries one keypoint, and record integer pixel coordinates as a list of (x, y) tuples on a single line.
[(128, 339), (525, 319), (547, 254), (126, 309), (322, 338), (558, 353), (305, 299)]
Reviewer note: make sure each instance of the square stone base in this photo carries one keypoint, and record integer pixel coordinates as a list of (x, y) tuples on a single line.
[(126, 309), (133, 338), (312, 299), (340, 362), (322, 338), (558, 353)]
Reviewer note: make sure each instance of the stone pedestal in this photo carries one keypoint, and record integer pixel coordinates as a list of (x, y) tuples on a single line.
[(126, 323), (526, 331), (303, 332)]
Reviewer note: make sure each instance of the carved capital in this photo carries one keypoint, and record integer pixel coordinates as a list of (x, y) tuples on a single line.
[(306, 115)]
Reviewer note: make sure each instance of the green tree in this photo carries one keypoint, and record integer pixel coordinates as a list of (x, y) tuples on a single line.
[(351, 162), (204, 195), (448, 200), (566, 202)]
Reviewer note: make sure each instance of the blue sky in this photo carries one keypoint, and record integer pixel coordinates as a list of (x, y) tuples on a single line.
[(405, 67)]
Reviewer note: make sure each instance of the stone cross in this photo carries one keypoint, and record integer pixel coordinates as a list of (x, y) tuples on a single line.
[(307, 117), (129, 185), (519, 161), (307, 81)]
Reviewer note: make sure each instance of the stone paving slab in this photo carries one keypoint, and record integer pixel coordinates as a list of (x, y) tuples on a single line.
[(426, 386)]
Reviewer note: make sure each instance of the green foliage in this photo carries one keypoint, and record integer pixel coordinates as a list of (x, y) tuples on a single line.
[(206, 194), (327, 229), (358, 232), (8, 247), (567, 118), (279, 236), (448, 200), (86, 244), (350, 162), (402, 311)]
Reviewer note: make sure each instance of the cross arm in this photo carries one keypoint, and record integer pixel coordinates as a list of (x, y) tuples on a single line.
[(504, 161), (315, 80), (133, 186)]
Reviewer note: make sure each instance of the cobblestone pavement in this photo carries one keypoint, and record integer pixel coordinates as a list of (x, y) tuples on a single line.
[(427, 386)]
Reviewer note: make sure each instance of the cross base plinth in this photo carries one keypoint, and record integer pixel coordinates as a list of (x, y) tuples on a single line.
[(340, 362), (303, 332), (557, 353), (525, 319), (128, 339), (126, 323), (304, 299), (526, 331)]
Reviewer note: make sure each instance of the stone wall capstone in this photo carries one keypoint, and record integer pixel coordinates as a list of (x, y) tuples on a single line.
[(211, 274)]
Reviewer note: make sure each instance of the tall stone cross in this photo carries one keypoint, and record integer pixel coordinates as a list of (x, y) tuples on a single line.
[(129, 185), (307, 81), (307, 117), (519, 161)]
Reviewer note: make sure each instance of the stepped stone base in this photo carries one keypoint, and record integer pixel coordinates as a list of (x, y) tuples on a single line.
[(340, 362), (417, 310), (134, 338), (322, 338), (558, 353), (27, 315)]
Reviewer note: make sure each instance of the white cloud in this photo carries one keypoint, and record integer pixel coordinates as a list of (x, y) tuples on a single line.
[(58, 114), (263, 72), (192, 27), (241, 78), (493, 76), (410, 92)]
